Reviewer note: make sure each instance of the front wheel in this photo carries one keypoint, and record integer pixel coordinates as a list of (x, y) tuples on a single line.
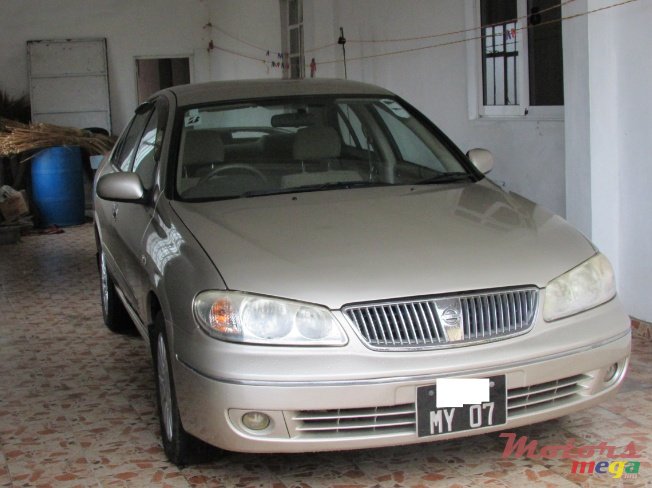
[(114, 313), (177, 443)]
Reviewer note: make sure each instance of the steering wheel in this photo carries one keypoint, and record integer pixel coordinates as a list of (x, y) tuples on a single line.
[(226, 167)]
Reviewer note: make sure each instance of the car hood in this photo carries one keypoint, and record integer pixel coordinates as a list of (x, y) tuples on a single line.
[(344, 246)]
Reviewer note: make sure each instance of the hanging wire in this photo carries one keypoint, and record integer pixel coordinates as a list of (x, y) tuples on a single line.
[(460, 41), (319, 48), (264, 49), (247, 43), (463, 31), (399, 39), (420, 48)]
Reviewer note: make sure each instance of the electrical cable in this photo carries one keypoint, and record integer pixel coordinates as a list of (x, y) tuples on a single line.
[(468, 39), (463, 31), (420, 48), (400, 39), (247, 43)]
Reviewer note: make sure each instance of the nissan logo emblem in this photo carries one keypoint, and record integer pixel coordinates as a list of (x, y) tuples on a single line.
[(450, 316)]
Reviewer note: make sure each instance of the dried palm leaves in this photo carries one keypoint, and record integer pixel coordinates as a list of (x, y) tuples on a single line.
[(16, 138)]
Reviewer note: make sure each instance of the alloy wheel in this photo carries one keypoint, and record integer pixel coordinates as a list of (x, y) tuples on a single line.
[(104, 283), (165, 390)]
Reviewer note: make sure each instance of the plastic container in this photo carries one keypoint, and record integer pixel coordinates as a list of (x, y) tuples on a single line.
[(58, 186)]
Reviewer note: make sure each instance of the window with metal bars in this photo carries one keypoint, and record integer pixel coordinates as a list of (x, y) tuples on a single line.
[(500, 53), (521, 54)]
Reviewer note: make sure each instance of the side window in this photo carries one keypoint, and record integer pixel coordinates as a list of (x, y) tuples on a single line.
[(117, 148), (128, 149), (144, 162)]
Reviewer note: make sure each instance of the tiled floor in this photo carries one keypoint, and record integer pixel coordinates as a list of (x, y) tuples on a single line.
[(77, 405)]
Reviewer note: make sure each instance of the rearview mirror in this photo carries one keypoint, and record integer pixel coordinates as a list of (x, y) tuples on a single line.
[(121, 187), (482, 159), (298, 119)]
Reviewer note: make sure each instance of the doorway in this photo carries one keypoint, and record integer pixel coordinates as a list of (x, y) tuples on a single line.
[(154, 74)]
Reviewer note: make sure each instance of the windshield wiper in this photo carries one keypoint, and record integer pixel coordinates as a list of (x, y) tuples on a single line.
[(446, 178), (344, 185)]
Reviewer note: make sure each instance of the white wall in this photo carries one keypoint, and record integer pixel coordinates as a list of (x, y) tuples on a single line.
[(577, 117), (257, 22), (608, 128), (529, 154), (633, 39), (603, 91), (132, 28), (625, 166)]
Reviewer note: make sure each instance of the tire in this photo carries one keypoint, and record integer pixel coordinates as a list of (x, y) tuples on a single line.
[(114, 313), (179, 446)]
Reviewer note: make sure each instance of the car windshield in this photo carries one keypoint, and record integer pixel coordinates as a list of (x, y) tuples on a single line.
[(308, 144)]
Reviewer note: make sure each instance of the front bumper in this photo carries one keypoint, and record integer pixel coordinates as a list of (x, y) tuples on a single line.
[(350, 414)]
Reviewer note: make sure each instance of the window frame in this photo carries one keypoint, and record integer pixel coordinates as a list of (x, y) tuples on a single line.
[(523, 110), (154, 117), (143, 112), (171, 167), (182, 55), (160, 108), (287, 29)]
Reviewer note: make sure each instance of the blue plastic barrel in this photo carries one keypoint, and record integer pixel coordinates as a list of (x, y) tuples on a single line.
[(58, 186)]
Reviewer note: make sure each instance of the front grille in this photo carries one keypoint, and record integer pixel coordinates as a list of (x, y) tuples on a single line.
[(445, 321), (401, 419)]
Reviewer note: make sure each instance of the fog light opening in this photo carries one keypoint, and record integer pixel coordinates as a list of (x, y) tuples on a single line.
[(256, 421), (611, 373)]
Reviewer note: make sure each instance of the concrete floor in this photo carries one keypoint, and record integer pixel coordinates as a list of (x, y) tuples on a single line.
[(77, 405)]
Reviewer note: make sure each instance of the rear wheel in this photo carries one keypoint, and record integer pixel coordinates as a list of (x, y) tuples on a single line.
[(114, 313), (177, 443)]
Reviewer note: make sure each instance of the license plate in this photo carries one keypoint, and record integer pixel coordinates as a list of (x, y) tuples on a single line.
[(433, 421)]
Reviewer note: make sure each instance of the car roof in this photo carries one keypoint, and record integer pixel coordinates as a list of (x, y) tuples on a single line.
[(220, 91)]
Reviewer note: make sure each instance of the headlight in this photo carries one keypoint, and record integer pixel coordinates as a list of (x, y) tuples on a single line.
[(588, 285), (241, 317)]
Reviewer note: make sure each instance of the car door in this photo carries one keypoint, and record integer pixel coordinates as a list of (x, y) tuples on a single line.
[(133, 219), (108, 211)]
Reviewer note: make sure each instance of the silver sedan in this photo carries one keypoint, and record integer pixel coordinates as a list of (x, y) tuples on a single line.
[(313, 264)]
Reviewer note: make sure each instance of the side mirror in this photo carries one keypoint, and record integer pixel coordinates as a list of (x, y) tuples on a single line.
[(121, 187), (482, 159)]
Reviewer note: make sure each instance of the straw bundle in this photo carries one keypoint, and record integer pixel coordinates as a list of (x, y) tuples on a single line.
[(16, 138)]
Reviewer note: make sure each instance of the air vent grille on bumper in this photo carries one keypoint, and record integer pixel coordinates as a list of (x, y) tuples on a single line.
[(356, 421), (445, 321), (542, 396), (401, 419)]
